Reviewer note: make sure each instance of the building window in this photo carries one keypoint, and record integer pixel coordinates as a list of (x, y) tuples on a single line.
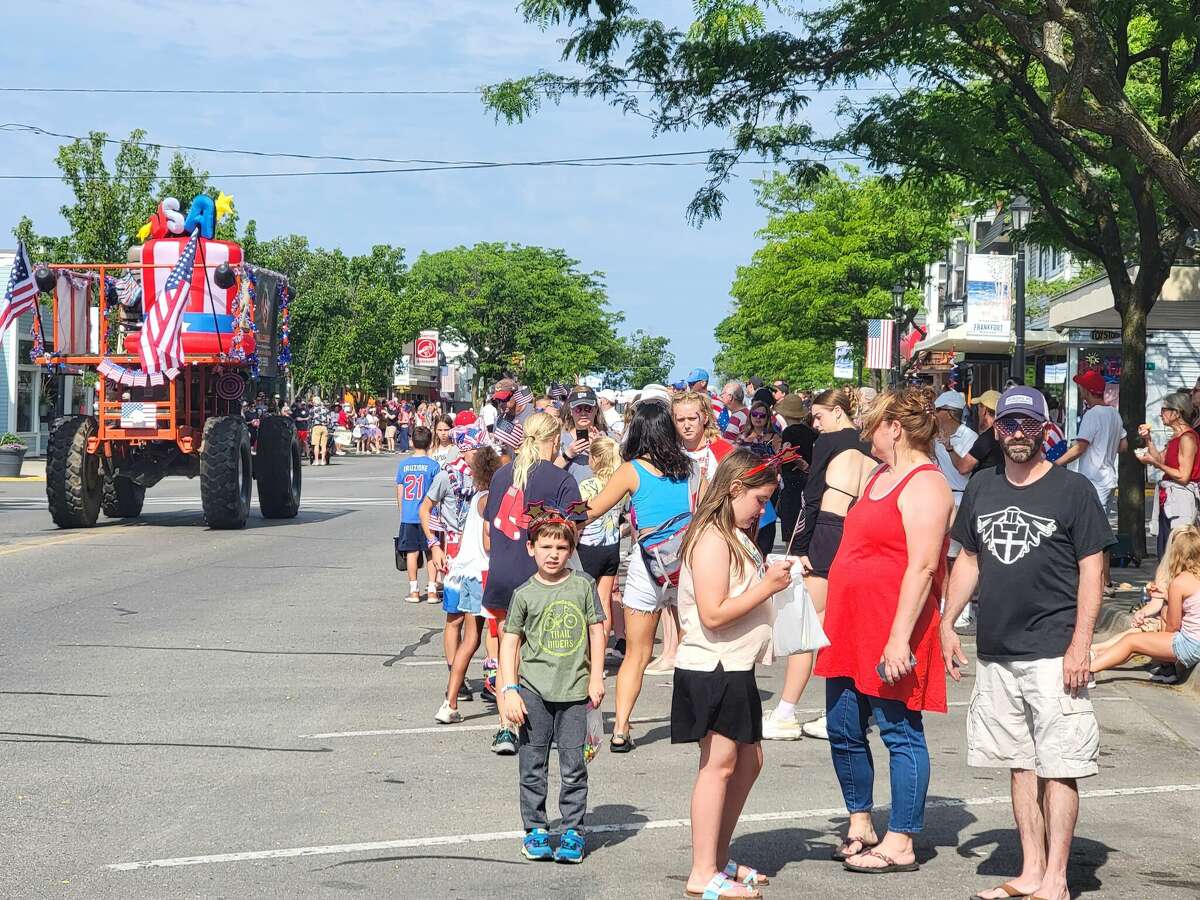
[(1056, 261)]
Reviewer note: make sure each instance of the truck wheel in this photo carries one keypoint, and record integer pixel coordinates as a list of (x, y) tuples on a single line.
[(225, 473), (277, 468), (122, 498), (73, 480)]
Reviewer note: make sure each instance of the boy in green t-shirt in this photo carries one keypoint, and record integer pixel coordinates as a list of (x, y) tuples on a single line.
[(556, 622)]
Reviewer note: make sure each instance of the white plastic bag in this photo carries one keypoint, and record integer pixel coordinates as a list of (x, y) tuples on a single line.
[(595, 733), (797, 627)]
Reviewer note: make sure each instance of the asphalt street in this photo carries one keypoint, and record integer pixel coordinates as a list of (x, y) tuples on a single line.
[(190, 713)]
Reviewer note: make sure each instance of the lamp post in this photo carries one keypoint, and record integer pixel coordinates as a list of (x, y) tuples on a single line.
[(898, 319), (1020, 210)]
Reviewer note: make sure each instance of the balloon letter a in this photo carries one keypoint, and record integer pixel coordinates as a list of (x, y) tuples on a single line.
[(202, 214)]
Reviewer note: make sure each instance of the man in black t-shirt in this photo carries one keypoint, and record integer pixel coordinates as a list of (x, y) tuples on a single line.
[(985, 453), (1033, 537)]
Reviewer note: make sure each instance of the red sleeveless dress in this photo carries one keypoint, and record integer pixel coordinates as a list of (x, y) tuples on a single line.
[(864, 589)]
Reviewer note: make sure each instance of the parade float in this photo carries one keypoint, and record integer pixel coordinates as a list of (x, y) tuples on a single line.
[(177, 336)]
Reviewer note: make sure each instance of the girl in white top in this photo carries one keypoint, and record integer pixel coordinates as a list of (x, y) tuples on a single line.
[(467, 570), (726, 623), (1179, 641)]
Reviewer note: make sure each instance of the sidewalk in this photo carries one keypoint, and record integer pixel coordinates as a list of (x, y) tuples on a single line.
[(1115, 613), (32, 469)]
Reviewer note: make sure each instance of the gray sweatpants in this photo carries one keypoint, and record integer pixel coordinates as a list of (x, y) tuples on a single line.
[(565, 724)]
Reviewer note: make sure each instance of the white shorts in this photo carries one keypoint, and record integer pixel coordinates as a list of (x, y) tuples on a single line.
[(1104, 495), (1021, 718), (640, 593)]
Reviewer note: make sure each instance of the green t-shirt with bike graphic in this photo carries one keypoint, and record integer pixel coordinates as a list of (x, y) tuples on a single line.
[(553, 621)]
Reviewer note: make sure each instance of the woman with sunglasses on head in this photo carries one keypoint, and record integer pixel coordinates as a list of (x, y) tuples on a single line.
[(884, 659), (840, 464), (657, 477)]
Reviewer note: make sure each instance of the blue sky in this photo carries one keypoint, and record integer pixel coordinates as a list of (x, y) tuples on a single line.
[(663, 275)]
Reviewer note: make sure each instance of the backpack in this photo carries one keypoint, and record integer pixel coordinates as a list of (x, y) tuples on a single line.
[(664, 557)]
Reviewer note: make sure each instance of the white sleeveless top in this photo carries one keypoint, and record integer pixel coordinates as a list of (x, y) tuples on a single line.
[(737, 646), (472, 561)]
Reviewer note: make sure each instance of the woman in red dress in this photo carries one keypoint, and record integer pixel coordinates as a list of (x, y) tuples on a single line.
[(884, 657)]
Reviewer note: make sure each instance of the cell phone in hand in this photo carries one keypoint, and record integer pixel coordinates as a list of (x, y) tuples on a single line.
[(882, 673), (581, 434)]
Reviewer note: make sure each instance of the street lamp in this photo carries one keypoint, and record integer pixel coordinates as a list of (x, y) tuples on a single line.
[(898, 319), (1020, 210)]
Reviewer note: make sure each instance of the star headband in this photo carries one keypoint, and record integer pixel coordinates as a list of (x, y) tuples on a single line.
[(469, 437)]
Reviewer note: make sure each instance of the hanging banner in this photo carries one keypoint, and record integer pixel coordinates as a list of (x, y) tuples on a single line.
[(843, 362), (425, 350), (989, 295)]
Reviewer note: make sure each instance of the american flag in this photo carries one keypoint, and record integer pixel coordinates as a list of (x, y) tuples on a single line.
[(22, 292), (509, 433), (879, 343), (160, 346), (524, 396)]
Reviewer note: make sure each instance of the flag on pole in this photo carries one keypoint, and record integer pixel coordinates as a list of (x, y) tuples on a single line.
[(21, 295), (879, 343), (161, 345)]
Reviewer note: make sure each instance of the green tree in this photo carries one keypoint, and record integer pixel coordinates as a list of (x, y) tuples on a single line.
[(642, 359), (351, 316), (109, 205), (1080, 106), (523, 309), (833, 247)]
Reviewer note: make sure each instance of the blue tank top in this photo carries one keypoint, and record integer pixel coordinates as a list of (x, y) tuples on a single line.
[(657, 499)]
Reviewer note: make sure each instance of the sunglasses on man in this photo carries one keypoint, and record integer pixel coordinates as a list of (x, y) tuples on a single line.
[(1010, 425)]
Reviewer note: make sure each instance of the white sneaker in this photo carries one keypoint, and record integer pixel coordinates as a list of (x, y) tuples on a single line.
[(446, 715), (815, 729), (780, 729)]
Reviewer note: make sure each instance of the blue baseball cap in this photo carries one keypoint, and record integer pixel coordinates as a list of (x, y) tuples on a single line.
[(1019, 400), (697, 375), (679, 385)]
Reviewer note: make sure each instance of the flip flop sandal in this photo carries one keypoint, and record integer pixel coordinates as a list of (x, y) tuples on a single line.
[(842, 853), (1009, 891), (625, 746), (754, 878), (889, 866), (718, 888)]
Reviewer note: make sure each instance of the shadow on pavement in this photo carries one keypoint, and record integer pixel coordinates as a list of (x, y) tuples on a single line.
[(387, 656), (440, 858), (1087, 858), (771, 851), (614, 813)]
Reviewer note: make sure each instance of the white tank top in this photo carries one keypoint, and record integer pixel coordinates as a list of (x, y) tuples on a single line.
[(472, 561)]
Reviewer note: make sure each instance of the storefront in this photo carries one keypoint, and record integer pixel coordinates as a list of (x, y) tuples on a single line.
[(990, 356), (1091, 326)]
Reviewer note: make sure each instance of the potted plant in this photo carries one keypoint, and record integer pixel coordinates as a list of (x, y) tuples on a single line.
[(12, 452)]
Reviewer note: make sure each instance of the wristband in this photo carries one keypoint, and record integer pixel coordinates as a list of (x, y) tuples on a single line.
[(510, 687), (432, 542)]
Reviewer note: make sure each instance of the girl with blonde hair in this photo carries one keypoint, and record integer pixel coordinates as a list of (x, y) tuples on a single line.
[(1179, 641), (600, 544), (530, 478), (724, 589)]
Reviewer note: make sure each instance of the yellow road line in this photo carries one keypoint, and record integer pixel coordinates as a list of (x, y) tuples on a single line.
[(22, 479)]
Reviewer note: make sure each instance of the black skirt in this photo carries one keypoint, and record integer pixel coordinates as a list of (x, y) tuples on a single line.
[(725, 702)]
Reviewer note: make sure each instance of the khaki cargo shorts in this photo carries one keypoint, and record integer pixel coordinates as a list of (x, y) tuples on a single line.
[(1021, 718)]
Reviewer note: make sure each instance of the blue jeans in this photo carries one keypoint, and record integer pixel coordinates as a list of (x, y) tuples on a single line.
[(903, 734)]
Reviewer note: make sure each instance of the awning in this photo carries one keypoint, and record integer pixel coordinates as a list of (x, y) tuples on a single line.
[(956, 340), (1091, 305)]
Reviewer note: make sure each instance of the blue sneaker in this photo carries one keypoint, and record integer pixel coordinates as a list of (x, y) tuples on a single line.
[(536, 845), (570, 847)]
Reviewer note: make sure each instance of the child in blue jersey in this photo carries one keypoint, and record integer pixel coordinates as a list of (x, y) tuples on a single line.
[(413, 478)]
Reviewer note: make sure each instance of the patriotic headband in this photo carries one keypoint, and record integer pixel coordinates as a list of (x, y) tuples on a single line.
[(469, 437), (542, 513)]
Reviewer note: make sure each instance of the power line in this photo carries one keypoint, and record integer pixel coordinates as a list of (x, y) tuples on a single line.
[(631, 160), (325, 92)]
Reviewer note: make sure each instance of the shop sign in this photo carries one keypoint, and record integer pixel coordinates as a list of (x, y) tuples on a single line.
[(989, 295), (1093, 336)]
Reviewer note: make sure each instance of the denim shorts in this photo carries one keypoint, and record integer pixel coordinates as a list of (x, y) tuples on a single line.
[(1186, 649), (462, 596)]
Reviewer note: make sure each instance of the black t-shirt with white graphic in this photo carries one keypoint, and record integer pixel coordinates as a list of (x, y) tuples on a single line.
[(987, 452), (1029, 541)]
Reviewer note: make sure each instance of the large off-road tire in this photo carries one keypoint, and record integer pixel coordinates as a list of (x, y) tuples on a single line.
[(277, 468), (123, 498), (74, 483), (226, 479)]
